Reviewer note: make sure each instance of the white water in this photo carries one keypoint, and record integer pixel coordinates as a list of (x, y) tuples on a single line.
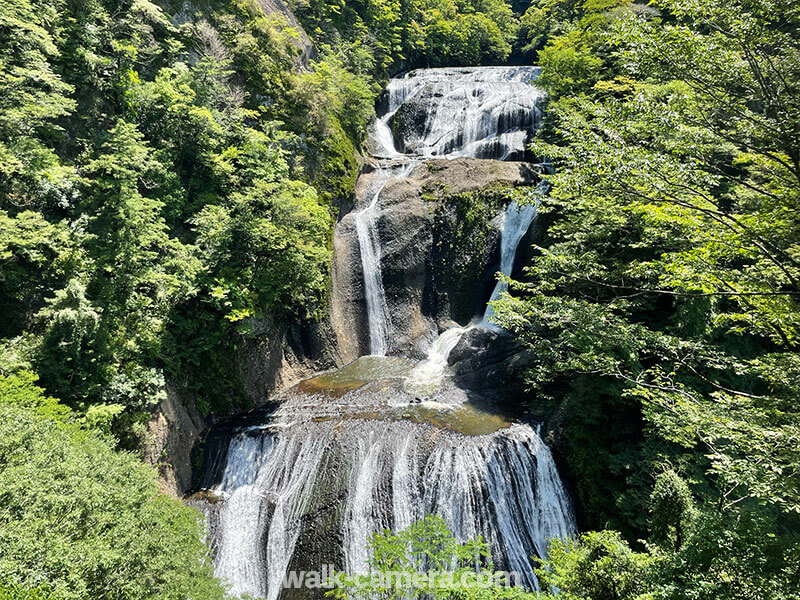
[(426, 378), (516, 222), (378, 319), (503, 486), (483, 112), (266, 487)]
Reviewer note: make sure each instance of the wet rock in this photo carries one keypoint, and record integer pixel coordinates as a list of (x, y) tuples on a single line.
[(491, 363), (276, 356), (420, 263), (410, 120)]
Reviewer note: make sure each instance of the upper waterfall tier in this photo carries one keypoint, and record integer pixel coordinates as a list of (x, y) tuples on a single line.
[(481, 112)]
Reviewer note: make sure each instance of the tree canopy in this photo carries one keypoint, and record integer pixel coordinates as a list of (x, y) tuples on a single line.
[(79, 519), (664, 308)]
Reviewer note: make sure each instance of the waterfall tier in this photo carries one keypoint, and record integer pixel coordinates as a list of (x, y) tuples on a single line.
[(483, 112), (274, 490)]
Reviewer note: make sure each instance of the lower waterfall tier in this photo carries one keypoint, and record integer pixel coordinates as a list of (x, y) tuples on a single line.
[(309, 484)]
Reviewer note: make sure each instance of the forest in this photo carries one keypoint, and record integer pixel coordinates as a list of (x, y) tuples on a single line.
[(171, 174)]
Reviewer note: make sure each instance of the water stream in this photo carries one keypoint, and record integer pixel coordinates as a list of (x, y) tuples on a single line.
[(386, 440), (378, 321), (517, 220), (482, 112)]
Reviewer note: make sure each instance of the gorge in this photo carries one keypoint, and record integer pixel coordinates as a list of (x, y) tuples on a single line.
[(394, 435), (254, 257)]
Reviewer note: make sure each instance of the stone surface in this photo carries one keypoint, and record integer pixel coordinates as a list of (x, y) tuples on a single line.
[(489, 363), (275, 357), (173, 430), (270, 360), (420, 305)]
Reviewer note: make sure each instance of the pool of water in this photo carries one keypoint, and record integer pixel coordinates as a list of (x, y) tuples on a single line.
[(382, 385)]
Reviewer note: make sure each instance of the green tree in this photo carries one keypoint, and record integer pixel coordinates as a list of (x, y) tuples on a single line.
[(671, 510), (79, 520), (425, 560), (266, 247), (672, 267), (598, 566), (33, 98)]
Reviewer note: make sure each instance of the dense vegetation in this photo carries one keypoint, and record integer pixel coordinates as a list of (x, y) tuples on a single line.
[(80, 520), (169, 177), (664, 308), (425, 560)]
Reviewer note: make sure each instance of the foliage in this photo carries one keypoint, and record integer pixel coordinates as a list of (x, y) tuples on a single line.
[(79, 520), (154, 172), (598, 566), (721, 559), (664, 305), (671, 510), (20, 390), (461, 240), (404, 35), (12, 591), (425, 560)]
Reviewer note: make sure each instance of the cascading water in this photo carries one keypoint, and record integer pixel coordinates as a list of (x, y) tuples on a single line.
[(266, 484), (427, 376), (355, 451), (481, 112), (378, 322), (503, 486), (516, 221)]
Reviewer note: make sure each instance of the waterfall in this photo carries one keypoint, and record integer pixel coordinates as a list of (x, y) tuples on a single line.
[(265, 488), (369, 244), (483, 112), (427, 376), (503, 486), (344, 455), (517, 220), (378, 320)]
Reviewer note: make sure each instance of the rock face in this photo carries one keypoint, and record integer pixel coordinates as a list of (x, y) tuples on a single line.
[(275, 357), (410, 121), (301, 39), (270, 360), (173, 430), (488, 363), (427, 249)]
